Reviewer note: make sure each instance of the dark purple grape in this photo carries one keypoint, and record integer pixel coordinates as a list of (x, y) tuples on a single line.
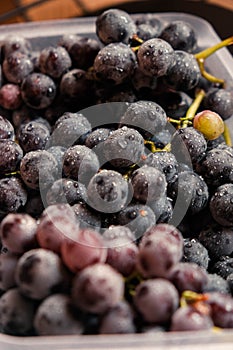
[(114, 25), (189, 318), (180, 35), (40, 273), (18, 232), (80, 163), (34, 205), (146, 31), (118, 320), (216, 167), (118, 232), (147, 116), (97, 288), (96, 136), (230, 282), (223, 267), (188, 276), (58, 153), (148, 184), (137, 217), (219, 101), (10, 96), (11, 155), (69, 129), (38, 90), (155, 56), (82, 50), (221, 309), (143, 83), (16, 67), (160, 249), (16, 313), (75, 87), (218, 240), (156, 300), (216, 283), (86, 217), (175, 103), (13, 42), (163, 209), (124, 147), (190, 142), (8, 264), (195, 252), (107, 191), (38, 169), (33, 136), (221, 205), (184, 74), (165, 162), (13, 195), (115, 63), (55, 316), (66, 191), (7, 131), (54, 61)]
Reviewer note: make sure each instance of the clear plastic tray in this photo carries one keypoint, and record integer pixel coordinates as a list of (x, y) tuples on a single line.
[(221, 64)]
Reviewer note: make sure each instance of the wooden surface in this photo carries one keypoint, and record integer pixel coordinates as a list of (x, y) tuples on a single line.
[(17, 11)]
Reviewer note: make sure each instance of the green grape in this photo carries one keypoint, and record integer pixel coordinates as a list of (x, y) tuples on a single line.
[(209, 123)]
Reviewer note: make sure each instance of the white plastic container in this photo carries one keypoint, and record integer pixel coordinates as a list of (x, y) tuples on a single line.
[(45, 33)]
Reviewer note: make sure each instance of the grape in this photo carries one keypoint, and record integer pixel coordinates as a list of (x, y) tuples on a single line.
[(13, 195), (115, 63), (96, 136), (118, 320), (156, 300), (221, 205), (137, 217), (216, 166), (191, 142), (217, 239), (155, 56), (6, 129), (146, 31), (180, 35), (57, 222), (66, 191), (8, 264), (54, 61), (190, 319), (55, 316), (38, 90), (13, 43), (33, 136), (88, 248), (160, 249), (223, 267), (209, 123), (16, 67), (184, 74), (16, 313), (40, 272), (162, 209), (188, 276), (97, 288), (123, 147), (148, 116), (18, 232), (195, 252), (82, 50), (148, 184), (107, 191), (10, 96), (175, 103), (221, 309), (114, 25), (11, 155), (219, 101), (86, 216), (216, 283), (230, 282), (80, 163), (38, 169)]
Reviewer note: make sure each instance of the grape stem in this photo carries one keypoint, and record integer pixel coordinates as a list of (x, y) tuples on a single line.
[(227, 136), (202, 55), (192, 110)]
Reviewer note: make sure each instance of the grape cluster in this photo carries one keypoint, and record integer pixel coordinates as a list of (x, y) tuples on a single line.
[(116, 183)]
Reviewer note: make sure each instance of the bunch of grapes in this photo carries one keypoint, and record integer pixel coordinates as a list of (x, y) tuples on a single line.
[(116, 183)]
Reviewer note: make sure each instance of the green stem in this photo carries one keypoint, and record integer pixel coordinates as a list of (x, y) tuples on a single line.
[(210, 50), (227, 135), (191, 112)]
